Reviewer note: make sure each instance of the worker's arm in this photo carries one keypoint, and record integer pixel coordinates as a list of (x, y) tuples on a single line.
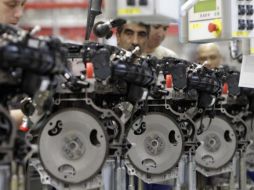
[(17, 116)]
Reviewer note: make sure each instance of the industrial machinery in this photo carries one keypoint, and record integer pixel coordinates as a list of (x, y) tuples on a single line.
[(117, 112), (217, 20), (112, 111), (24, 58), (94, 105)]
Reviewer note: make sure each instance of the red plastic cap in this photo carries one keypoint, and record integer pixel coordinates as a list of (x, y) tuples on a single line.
[(89, 70), (212, 27), (23, 127), (169, 81), (225, 88)]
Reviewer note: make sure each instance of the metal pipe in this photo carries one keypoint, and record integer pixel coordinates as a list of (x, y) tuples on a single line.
[(108, 175), (131, 185), (140, 184), (183, 26), (120, 175), (4, 177), (243, 177), (187, 6), (192, 173), (14, 176), (181, 173)]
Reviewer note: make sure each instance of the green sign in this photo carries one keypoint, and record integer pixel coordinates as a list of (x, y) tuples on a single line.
[(204, 6)]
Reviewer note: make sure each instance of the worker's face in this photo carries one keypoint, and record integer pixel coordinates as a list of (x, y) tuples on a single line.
[(157, 34), (131, 36), (210, 56), (11, 11)]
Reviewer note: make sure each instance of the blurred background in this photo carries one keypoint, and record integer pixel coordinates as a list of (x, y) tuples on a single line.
[(67, 18)]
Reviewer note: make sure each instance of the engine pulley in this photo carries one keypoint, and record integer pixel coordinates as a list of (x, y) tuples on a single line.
[(73, 146), (218, 143), (156, 143)]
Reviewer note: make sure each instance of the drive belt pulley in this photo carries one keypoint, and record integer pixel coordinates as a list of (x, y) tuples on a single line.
[(73, 146), (156, 143)]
